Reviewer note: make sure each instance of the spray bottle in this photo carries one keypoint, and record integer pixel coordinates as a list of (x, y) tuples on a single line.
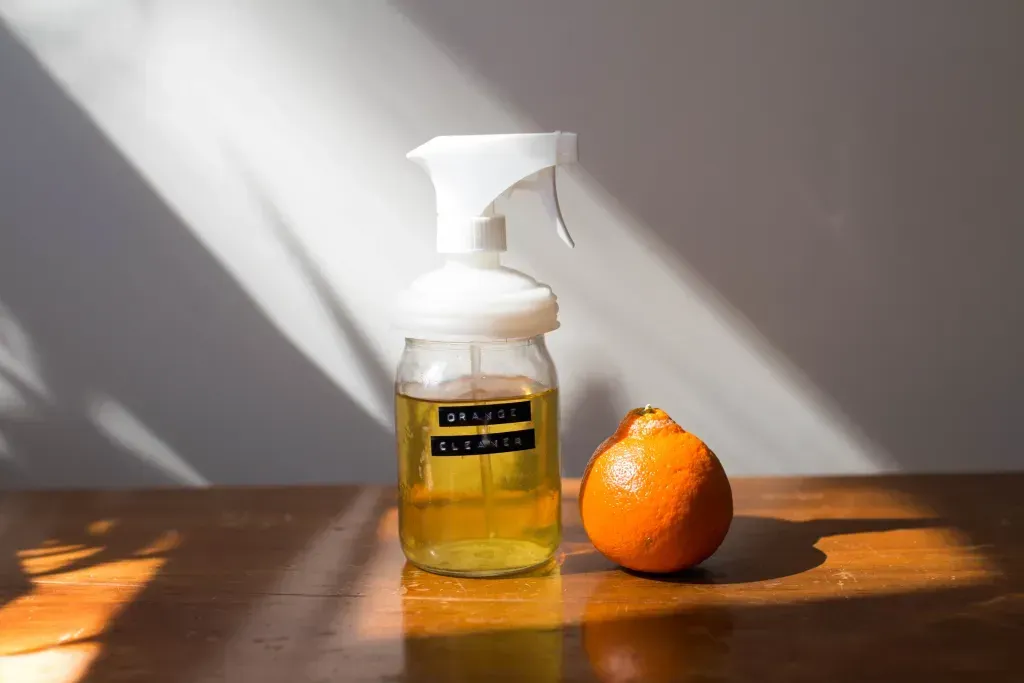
[(476, 406)]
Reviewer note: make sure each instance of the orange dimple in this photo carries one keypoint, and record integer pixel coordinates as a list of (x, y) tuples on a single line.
[(654, 497)]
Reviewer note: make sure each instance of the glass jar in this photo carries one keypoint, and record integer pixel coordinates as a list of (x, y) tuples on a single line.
[(479, 478)]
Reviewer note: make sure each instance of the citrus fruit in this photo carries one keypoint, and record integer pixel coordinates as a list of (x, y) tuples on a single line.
[(654, 498)]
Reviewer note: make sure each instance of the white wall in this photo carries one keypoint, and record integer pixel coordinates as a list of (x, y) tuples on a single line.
[(799, 227)]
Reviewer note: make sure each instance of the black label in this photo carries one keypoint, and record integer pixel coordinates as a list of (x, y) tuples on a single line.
[(478, 416), (483, 444)]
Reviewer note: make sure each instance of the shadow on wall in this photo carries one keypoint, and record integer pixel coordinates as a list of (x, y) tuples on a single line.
[(848, 195), (594, 416), (846, 176), (123, 302)]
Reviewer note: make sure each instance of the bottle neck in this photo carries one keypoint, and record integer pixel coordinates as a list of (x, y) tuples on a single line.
[(458, 234)]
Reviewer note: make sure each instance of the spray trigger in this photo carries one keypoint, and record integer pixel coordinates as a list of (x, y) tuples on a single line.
[(543, 184), (549, 196)]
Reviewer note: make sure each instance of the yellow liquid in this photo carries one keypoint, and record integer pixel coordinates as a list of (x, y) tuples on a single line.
[(479, 515)]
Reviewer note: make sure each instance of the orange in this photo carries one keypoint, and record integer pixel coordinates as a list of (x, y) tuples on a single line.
[(654, 498)]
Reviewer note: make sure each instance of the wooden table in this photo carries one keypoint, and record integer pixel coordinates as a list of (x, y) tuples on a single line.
[(869, 579)]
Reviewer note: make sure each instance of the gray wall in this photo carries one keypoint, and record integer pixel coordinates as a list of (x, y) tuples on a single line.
[(800, 227)]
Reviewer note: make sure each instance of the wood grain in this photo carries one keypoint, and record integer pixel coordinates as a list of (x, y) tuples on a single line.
[(881, 579)]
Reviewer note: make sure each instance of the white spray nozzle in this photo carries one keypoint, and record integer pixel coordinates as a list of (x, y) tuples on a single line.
[(470, 172)]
